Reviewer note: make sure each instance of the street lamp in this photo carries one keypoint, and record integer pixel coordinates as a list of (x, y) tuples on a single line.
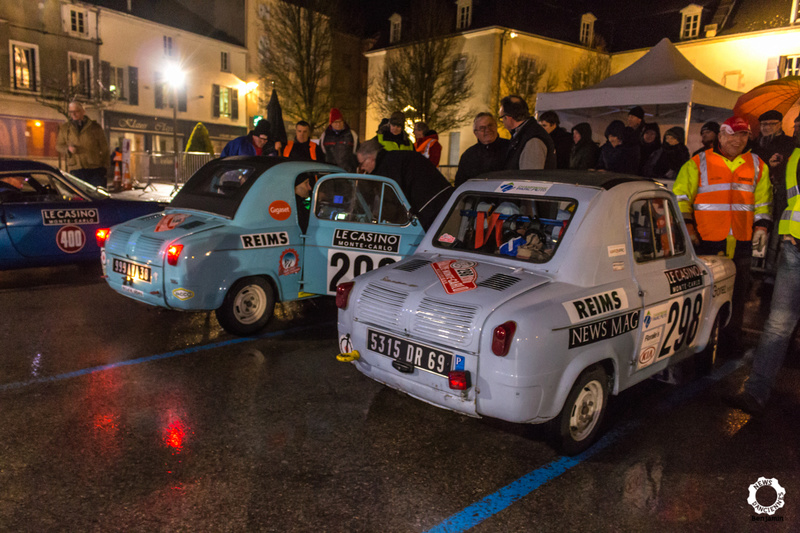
[(175, 77), (247, 89)]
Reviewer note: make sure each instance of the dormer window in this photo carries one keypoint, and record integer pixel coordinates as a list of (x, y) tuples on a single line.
[(395, 22), (690, 25), (587, 29), (463, 14)]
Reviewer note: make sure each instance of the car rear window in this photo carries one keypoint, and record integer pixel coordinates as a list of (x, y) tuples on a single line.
[(217, 189), (527, 228)]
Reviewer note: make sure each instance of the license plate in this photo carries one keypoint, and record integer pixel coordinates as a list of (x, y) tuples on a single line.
[(420, 356), (132, 270)]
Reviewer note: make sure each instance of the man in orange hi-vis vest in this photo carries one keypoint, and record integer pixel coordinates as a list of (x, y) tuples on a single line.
[(725, 192)]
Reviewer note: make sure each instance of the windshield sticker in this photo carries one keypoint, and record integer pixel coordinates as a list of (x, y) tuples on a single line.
[(596, 305), (62, 217), (280, 210), (447, 238), (683, 279), (528, 187), (70, 239), (603, 329), (366, 240), (290, 263), (182, 294), (616, 250), (265, 240), (617, 265), (456, 275), (170, 222)]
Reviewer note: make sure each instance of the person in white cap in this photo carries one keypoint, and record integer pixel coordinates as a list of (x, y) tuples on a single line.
[(725, 192)]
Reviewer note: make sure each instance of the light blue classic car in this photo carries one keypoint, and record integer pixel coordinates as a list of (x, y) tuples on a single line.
[(535, 296), (234, 239)]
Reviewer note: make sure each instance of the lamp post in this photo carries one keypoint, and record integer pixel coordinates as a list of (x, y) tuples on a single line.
[(176, 78)]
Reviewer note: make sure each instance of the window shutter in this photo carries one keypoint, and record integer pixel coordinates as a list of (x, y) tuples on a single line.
[(182, 99), (133, 86), (234, 104), (215, 100), (105, 79), (159, 92)]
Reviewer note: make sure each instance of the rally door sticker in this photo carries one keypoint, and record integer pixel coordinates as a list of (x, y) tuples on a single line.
[(344, 265), (366, 240), (597, 305), (456, 275), (670, 327), (62, 217)]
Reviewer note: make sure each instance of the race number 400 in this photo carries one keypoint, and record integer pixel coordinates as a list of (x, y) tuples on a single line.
[(345, 265), (70, 239)]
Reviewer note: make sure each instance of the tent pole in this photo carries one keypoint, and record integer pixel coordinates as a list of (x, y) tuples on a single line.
[(688, 120)]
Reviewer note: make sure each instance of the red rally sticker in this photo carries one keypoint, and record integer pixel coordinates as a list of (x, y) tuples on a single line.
[(290, 263), (456, 275), (280, 210), (169, 222), (70, 239)]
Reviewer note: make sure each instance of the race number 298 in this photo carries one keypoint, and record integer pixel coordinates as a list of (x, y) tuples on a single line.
[(344, 265)]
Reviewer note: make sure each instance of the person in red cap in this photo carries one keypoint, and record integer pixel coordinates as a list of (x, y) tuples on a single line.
[(725, 192), (339, 143)]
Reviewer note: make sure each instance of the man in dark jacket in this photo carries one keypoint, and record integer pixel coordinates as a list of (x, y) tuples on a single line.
[(708, 135), (425, 187), (487, 154), (585, 151), (531, 147), (301, 148), (339, 142), (393, 136), (619, 153), (254, 143), (561, 139)]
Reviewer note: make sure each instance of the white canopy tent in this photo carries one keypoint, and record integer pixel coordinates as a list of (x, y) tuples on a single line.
[(662, 81)]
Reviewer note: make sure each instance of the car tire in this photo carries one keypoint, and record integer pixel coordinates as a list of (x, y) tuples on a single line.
[(705, 360), (578, 424), (247, 307)]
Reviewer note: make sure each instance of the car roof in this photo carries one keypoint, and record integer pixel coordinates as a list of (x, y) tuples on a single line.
[(25, 165), (600, 180)]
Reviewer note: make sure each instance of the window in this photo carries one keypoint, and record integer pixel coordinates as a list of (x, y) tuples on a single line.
[(526, 228), (794, 17), (459, 71), (587, 29), (225, 101), (164, 94), (224, 65), (464, 14), (168, 46), (395, 22), (360, 200), (77, 21), (24, 67), (113, 81), (80, 74), (791, 66), (529, 69), (690, 25), (655, 230)]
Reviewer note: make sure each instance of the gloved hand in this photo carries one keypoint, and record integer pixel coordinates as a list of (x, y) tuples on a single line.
[(759, 241)]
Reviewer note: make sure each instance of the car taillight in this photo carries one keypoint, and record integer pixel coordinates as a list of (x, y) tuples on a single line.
[(503, 335), (174, 253), (343, 294), (458, 379), (101, 235)]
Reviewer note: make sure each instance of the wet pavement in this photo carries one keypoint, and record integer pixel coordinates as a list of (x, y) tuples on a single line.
[(118, 417)]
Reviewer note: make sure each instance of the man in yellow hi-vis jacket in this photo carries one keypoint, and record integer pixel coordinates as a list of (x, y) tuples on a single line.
[(725, 192), (784, 311)]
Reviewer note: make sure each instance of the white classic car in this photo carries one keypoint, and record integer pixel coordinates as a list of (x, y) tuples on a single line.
[(534, 296)]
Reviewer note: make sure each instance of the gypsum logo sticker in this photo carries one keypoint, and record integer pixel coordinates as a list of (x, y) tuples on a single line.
[(777, 504), (182, 294)]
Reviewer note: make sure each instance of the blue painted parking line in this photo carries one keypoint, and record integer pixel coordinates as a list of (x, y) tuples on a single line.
[(148, 359), (516, 490)]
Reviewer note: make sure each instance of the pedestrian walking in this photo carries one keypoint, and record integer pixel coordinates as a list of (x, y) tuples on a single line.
[(83, 142)]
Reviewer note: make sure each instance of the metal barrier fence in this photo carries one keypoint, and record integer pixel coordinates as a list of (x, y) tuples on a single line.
[(160, 166)]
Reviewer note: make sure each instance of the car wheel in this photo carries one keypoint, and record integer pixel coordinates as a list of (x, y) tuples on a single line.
[(578, 425), (705, 360), (247, 307)]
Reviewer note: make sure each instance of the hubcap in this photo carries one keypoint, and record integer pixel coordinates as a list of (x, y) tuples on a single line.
[(586, 410), (250, 304)]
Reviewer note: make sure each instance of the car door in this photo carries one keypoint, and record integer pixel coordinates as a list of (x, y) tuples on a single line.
[(48, 219), (672, 281), (357, 223)]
